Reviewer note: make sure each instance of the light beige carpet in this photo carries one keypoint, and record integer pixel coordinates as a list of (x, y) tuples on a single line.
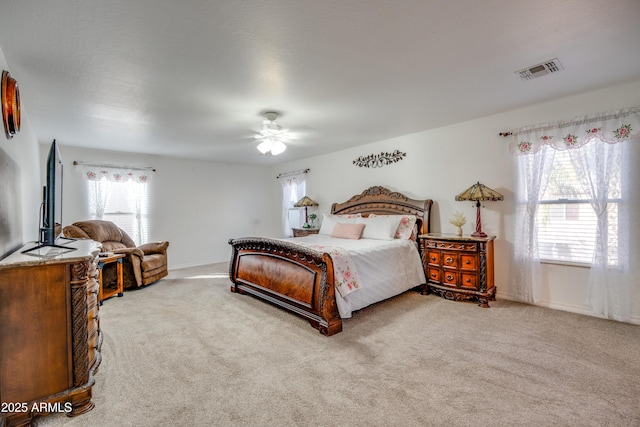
[(188, 352)]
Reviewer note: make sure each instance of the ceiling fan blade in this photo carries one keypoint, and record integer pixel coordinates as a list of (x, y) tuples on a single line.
[(304, 132)]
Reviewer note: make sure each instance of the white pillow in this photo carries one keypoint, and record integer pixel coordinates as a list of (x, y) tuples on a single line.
[(379, 227), (330, 220), (405, 229)]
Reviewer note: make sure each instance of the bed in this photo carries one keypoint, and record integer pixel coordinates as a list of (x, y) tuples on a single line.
[(298, 274)]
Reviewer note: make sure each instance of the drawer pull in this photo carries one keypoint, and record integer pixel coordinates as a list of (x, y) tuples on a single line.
[(468, 280), (449, 277), (468, 262), (433, 258), (433, 274), (449, 260)]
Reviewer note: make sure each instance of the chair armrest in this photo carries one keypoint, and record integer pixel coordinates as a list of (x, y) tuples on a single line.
[(129, 251), (154, 248)]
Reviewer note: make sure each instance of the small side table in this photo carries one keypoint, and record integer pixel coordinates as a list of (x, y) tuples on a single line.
[(107, 290), (301, 232)]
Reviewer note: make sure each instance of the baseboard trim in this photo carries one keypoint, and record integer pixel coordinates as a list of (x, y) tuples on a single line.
[(195, 264), (572, 308)]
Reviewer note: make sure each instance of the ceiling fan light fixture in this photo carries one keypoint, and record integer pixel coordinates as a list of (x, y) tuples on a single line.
[(271, 146), (272, 136)]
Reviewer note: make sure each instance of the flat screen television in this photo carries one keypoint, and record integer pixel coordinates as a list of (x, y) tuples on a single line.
[(51, 210)]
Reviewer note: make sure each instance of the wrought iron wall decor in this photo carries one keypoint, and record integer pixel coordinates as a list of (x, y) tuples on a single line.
[(379, 160)]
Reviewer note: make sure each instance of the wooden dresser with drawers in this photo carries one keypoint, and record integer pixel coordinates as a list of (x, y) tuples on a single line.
[(459, 267)]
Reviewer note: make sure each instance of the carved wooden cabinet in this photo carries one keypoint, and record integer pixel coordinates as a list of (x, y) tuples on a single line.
[(50, 334), (459, 267)]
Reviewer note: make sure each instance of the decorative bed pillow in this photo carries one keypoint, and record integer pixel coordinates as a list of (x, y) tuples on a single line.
[(330, 220), (405, 228), (347, 231), (380, 228)]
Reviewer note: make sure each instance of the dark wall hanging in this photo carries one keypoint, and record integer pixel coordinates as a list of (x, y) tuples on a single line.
[(10, 206), (10, 96), (379, 160)]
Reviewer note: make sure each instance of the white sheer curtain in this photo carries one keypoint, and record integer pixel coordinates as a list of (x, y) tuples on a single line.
[(113, 173), (533, 176), (597, 146), (598, 165), (99, 192), (137, 199), (293, 189)]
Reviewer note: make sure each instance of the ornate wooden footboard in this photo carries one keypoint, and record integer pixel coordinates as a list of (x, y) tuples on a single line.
[(295, 278), (301, 280)]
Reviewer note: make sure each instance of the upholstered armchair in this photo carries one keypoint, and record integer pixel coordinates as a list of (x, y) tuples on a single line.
[(143, 264)]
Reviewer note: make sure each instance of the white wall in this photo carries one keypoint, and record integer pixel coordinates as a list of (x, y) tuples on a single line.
[(443, 162), (23, 149), (195, 205)]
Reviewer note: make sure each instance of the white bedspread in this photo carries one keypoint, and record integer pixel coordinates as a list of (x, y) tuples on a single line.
[(385, 268)]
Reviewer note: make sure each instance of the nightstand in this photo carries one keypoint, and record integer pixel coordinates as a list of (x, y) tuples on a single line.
[(459, 267), (301, 232)]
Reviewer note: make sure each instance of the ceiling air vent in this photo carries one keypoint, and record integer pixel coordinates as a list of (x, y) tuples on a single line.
[(539, 70)]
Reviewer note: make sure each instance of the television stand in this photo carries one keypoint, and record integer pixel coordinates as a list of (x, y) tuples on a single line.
[(56, 250), (51, 338)]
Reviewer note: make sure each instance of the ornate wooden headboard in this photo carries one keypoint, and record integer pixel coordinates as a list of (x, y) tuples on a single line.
[(381, 201)]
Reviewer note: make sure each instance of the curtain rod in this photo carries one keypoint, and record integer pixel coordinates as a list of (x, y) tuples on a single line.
[(103, 165), (557, 125), (285, 174), (573, 122)]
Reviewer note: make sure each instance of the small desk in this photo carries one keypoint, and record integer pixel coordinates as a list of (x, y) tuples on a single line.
[(108, 290)]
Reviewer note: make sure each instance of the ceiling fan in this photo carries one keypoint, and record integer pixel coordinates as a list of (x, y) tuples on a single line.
[(272, 136)]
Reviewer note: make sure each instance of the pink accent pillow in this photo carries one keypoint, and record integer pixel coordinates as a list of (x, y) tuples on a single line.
[(347, 231), (330, 220)]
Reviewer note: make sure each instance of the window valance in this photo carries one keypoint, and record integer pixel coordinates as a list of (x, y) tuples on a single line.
[(113, 173), (611, 127)]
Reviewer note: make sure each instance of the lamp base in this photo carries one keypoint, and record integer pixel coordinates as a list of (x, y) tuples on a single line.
[(478, 232)]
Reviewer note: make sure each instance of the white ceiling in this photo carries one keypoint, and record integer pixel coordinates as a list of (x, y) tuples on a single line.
[(190, 78)]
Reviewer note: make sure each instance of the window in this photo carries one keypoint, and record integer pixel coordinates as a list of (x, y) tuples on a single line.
[(566, 221), (119, 194), (575, 192), (293, 189), (123, 203), (296, 217)]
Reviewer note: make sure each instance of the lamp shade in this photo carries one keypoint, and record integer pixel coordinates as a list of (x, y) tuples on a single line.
[(304, 202), (479, 192)]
